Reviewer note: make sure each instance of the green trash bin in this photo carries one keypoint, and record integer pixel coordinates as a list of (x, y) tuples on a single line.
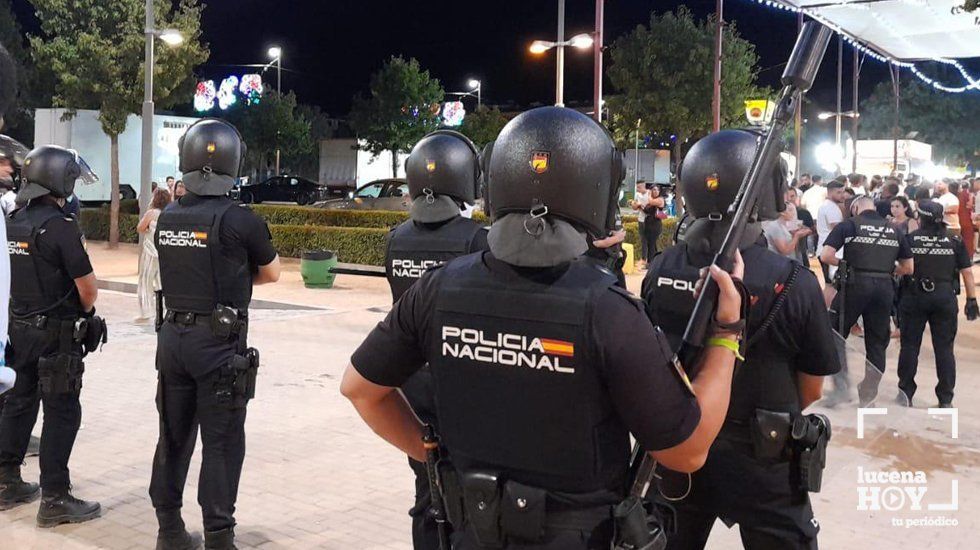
[(315, 266)]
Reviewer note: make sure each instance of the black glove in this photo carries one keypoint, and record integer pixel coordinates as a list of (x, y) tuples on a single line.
[(971, 310)]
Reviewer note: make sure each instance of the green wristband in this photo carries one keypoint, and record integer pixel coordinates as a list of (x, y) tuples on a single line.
[(727, 344)]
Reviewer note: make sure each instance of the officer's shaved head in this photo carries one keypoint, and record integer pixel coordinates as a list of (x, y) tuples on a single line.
[(862, 204)]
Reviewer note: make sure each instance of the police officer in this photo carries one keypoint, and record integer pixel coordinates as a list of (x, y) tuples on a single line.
[(538, 372), (788, 352), (443, 173), (211, 253), (871, 249), (929, 296), (52, 325)]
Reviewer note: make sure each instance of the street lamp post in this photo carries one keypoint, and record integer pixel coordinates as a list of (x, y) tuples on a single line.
[(173, 38), (838, 116), (579, 41), (275, 53), (477, 87)]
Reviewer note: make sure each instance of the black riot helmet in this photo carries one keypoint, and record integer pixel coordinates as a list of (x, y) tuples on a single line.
[(714, 169), (52, 170), (444, 162), (211, 156), (558, 162)]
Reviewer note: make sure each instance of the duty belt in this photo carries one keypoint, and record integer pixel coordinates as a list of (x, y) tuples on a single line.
[(928, 284), (43, 322), (188, 318), (872, 274)]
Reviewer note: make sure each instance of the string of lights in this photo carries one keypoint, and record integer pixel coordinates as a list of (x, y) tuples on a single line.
[(972, 83)]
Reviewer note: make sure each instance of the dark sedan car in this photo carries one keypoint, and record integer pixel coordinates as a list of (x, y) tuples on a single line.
[(390, 194), (283, 189)]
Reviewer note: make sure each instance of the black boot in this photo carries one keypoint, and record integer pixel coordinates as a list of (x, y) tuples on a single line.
[(14, 491), (172, 534), (220, 540), (59, 507)]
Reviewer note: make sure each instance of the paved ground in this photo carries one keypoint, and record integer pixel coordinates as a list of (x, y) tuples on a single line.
[(315, 477)]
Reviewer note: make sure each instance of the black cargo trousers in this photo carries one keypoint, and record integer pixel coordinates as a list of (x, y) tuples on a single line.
[(49, 372), (197, 387)]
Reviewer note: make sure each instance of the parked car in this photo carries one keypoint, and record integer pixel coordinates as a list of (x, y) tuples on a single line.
[(284, 189), (387, 194)]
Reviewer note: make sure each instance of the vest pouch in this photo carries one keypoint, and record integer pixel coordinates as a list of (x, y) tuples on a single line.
[(60, 374), (770, 433), (522, 511), (481, 498)]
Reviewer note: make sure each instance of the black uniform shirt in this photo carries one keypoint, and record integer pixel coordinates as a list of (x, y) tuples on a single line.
[(60, 243), (634, 358), (846, 230), (961, 256), (244, 235), (803, 326)]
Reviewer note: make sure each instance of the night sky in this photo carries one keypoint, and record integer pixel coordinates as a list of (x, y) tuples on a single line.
[(332, 46)]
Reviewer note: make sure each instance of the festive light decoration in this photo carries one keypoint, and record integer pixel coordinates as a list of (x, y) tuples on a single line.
[(453, 113), (249, 86), (226, 93), (204, 96), (972, 83)]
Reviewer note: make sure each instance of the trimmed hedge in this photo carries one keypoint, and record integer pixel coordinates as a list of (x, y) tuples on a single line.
[(304, 215), (354, 245), (357, 236), (95, 225)]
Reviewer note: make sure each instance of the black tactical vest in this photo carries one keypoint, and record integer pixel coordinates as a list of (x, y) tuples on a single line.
[(517, 387), (668, 292), (413, 248), (874, 247), (766, 379), (196, 275), (37, 285), (934, 255)]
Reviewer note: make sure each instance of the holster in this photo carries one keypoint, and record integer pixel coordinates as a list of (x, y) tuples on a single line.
[(638, 526), (452, 492), (236, 382), (225, 323), (91, 333), (810, 434), (60, 373), (771, 433)]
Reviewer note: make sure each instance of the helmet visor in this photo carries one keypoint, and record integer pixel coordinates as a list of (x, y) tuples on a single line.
[(85, 174)]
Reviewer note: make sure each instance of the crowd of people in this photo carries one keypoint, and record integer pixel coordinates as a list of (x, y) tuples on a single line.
[(932, 222)]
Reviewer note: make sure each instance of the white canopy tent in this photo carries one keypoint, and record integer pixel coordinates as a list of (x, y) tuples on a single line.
[(903, 30)]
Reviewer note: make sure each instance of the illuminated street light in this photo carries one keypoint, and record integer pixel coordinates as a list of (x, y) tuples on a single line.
[(275, 52), (171, 37), (579, 42)]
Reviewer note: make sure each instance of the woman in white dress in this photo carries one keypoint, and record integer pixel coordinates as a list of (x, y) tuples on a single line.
[(149, 274)]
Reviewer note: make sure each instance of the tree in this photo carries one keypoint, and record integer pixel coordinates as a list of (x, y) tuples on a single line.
[(307, 163), (95, 49), (663, 74), (483, 125), (403, 106), (946, 121), (272, 123)]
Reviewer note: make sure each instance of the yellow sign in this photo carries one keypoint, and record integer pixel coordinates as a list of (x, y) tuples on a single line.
[(759, 111)]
